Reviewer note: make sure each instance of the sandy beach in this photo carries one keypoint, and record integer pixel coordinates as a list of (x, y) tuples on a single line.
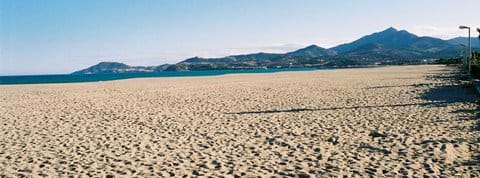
[(410, 121)]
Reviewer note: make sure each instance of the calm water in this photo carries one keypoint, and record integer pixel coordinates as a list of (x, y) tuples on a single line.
[(36, 79)]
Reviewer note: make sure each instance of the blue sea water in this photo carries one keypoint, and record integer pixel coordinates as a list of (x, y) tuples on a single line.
[(66, 78)]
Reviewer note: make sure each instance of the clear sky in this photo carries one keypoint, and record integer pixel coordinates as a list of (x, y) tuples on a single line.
[(61, 36)]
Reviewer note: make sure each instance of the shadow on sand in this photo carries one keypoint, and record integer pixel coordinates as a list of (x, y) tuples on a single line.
[(448, 86), (394, 86), (454, 90), (457, 90), (338, 108)]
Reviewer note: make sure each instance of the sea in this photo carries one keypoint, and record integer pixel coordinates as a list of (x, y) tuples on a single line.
[(68, 78)]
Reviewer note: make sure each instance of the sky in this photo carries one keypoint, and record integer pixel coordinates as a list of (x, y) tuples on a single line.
[(62, 36)]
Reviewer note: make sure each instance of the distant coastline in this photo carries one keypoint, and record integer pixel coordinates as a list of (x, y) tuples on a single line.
[(68, 78), (388, 47)]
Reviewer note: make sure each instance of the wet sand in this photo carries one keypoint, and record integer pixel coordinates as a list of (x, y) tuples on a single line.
[(389, 121)]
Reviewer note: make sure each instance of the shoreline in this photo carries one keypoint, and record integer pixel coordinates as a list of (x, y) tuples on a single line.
[(178, 74)]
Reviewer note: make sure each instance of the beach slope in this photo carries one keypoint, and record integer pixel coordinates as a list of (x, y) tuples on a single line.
[(388, 121)]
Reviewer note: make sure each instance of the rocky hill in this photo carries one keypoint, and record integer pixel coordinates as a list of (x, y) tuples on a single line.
[(390, 46)]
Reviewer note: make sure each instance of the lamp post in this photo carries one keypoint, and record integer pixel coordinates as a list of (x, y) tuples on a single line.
[(464, 51), (469, 56)]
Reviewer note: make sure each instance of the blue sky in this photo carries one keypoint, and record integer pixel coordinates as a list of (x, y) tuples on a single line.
[(61, 36)]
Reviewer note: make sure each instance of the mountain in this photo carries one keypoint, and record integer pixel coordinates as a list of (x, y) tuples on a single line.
[(464, 40), (390, 37), (402, 40), (235, 58), (229, 62), (308, 55), (312, 51), (375, 50), (392, 44), (388, 47), (116, 67)]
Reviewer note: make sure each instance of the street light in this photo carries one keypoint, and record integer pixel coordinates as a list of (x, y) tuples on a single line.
[(469, 48), (463, 52)]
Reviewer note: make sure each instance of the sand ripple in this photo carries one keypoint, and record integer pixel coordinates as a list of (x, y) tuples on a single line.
[(392, 121)]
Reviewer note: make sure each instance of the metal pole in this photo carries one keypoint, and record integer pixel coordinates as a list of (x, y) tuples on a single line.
[(469, 52), (465, 61), (469, 56), (465, 65)]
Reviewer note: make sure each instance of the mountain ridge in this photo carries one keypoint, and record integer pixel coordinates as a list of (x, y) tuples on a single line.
[(388, 47), (464, 41)]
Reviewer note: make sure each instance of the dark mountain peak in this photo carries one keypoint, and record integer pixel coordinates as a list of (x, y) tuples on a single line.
[(111, 64), (311, 51), (387, 33), (194, 59), (390, 37), (390, 29), (104, 67), (313, 46)]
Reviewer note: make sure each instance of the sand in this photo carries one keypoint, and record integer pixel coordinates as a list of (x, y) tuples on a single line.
[(388, 121)]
